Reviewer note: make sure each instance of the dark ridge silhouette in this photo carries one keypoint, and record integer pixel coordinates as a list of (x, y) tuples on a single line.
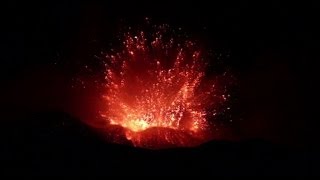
[(54, 143)]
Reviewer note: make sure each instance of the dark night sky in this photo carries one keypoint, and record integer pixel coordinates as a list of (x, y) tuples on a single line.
[(273, 51)]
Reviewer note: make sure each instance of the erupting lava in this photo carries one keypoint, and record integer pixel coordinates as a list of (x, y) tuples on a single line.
[(157, 91)]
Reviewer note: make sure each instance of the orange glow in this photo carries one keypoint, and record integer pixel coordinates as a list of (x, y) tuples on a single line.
[(157, 92)]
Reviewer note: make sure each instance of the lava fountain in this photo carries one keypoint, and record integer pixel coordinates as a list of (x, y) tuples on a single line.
[(157, 92)]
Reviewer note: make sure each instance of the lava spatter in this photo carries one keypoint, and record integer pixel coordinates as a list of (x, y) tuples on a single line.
[(157, 90)]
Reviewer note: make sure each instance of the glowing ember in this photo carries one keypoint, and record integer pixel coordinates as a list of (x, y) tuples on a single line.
[(156, 90)]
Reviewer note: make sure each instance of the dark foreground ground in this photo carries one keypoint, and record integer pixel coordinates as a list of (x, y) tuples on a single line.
[(55, 143)]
